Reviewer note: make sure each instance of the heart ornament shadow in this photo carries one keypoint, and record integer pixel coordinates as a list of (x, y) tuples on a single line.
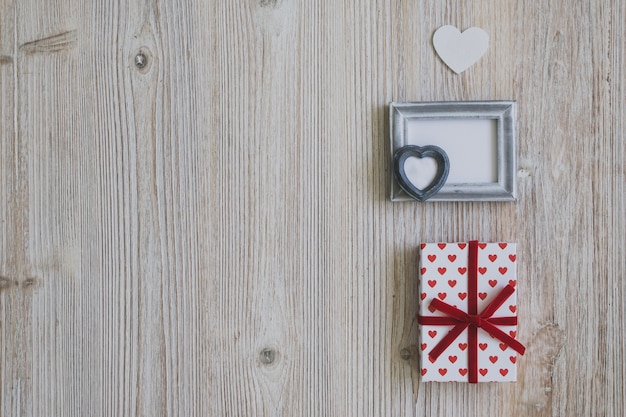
[(421, 171)]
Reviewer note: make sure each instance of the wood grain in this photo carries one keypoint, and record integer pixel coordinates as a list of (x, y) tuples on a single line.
[(211, 234)]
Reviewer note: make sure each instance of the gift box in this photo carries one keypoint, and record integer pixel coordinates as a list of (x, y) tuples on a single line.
[(468, 312)]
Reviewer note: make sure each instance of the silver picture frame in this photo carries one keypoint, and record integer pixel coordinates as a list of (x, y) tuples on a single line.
[(502, 112)]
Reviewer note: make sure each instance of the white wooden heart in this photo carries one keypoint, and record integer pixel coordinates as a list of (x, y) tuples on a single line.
[(459, 50)]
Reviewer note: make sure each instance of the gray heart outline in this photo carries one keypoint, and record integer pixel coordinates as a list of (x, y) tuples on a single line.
[(430, 151)]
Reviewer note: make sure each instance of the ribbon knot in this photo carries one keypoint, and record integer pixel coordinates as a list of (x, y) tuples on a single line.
[(475, 320), (472, 320)]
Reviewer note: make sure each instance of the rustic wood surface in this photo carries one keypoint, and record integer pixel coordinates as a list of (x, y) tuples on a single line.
[(211, 234)]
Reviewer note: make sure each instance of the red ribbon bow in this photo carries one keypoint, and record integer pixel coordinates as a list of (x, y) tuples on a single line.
[(472, 320)]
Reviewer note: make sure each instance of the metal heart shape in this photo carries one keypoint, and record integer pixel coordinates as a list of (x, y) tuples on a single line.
[(430, 151)]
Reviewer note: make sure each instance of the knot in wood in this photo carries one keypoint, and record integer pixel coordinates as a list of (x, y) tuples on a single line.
[(405, 354), (6, 282), (268, 3), (267, 356), (141, 60)]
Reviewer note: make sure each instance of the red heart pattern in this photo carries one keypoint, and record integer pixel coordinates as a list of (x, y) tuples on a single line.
[(443, 275)]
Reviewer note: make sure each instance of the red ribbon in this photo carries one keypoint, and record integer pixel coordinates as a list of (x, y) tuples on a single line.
[(472, 320)]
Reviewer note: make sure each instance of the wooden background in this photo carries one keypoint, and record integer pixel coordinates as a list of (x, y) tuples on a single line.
[(211, 235)]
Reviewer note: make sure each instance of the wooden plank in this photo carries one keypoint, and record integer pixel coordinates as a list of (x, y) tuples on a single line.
[(16, 279), (51, 117), (209, 233)]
